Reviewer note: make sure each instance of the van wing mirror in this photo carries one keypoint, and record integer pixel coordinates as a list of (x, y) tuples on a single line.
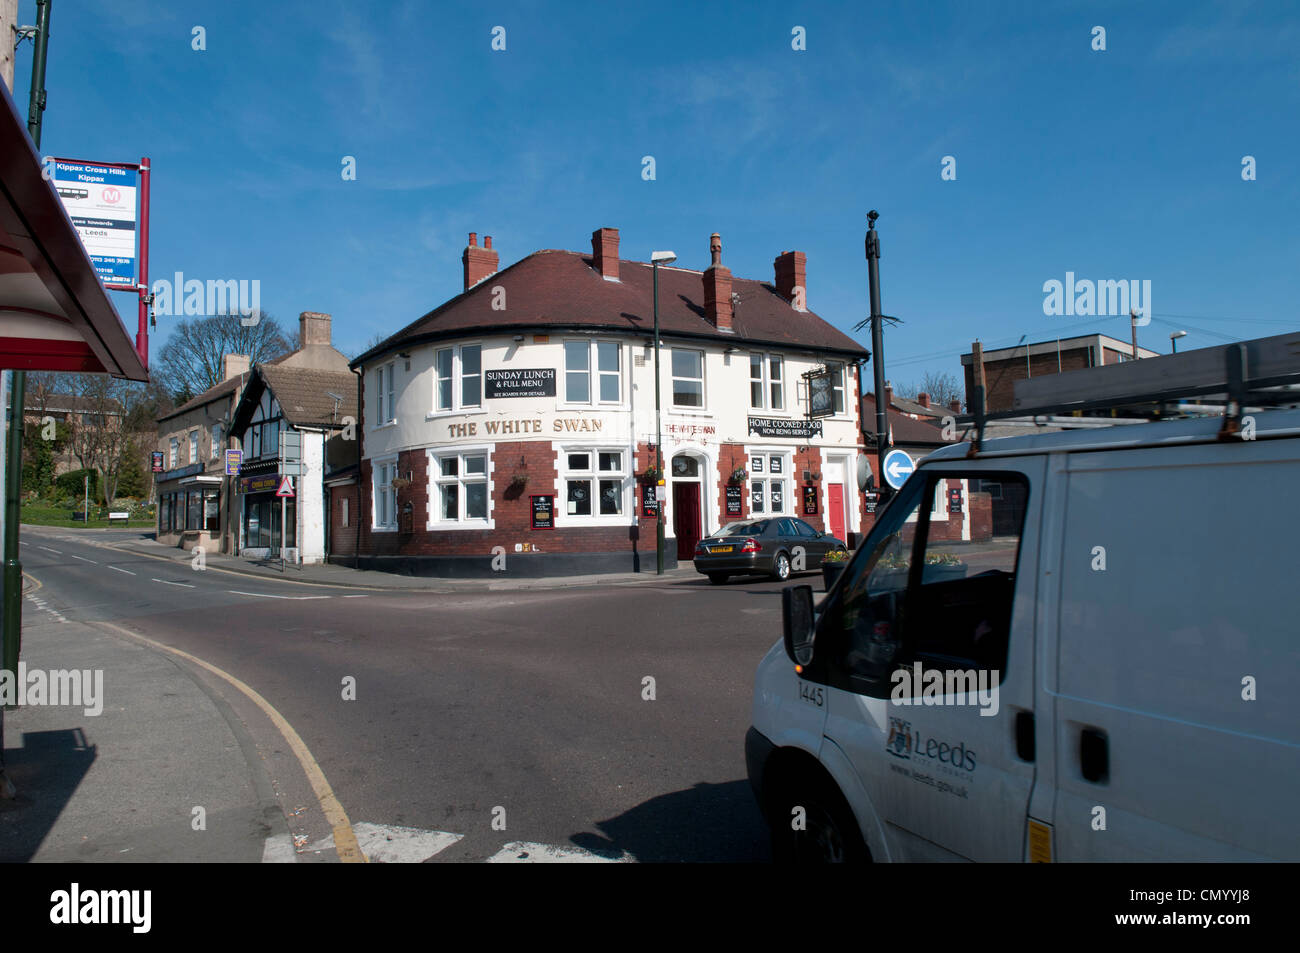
[(799, 623)]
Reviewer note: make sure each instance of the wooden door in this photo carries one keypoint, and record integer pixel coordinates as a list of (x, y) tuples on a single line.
[(686, 518), (835, 510)]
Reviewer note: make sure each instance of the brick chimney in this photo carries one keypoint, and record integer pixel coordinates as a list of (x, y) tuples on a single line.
[(232, 365), (717, 288), (955, 405), (889, 396), (604, 252), (791, 268), (313, 329), (478, 262), (923, 399)]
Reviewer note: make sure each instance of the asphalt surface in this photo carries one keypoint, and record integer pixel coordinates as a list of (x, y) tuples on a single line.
[(506, 718)]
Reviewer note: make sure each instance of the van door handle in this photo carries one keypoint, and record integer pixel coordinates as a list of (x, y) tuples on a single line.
[(1025, 735), (1094, 755)]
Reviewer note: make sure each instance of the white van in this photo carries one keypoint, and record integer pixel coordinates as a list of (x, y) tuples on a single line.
[(1127, 598)]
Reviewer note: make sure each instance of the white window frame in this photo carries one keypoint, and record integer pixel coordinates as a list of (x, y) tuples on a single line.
[(344, 509), (766, 382), (435, 520), (215, 433), (703, 379), (173, 451), (385, 396), (839, 386), (194, 446), (458, 380), (382, 474), (593, 372), (765, 476), (593, 475)]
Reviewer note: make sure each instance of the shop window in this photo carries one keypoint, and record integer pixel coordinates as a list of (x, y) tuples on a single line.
[(458, 378), (593, 372), (766, 382), (767, 487), (688, 378), (212, 510), (595, 483), (460, 487)]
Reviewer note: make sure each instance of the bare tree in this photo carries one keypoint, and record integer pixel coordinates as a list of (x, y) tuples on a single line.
[(942, 387), (191, 358)]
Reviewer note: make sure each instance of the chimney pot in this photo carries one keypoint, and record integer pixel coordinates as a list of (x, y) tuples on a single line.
[(718, 306), (604, 252), (791, 277), (889, 396), (955, 405), (479, 263), (232, 365), (923, 399)]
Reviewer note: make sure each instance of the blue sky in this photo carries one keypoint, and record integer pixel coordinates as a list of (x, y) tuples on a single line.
[(1117, 164)]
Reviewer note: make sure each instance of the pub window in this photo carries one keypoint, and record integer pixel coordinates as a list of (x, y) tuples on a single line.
[(385, 512), (593, 372), (194, 446), (767, 488), (766, 382), (595, 482), (460, 487), (458, 377), (837, 386), (216, 442), (173, 449), (688, 378)]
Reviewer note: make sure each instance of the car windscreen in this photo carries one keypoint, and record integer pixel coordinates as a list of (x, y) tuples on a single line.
[(746, 528)]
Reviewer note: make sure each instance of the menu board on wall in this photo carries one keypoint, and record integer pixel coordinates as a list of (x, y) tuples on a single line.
[(810, 500), (519, 382), (649, 504), (543, 512), (735, 505)]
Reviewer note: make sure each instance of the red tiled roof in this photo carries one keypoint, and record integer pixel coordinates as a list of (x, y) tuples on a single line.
[(906, 430), (561, 289)]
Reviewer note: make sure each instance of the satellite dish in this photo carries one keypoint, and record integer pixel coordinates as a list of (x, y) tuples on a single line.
[(865, 479)]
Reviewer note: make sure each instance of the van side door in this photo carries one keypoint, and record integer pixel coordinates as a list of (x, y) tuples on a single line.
[(927, 649)]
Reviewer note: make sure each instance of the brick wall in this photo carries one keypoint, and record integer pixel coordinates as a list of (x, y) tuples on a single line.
[(343, 539), (1001, 376)]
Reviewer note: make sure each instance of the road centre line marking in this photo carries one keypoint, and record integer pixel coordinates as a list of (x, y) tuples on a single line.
[(267, 595), (345, 839), (167, 582), (354, 597), (84, 559), (127, 571), (48, 550)]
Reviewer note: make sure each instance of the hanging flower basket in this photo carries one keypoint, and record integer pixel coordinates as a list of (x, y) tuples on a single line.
[(739, 475), (652, 475)]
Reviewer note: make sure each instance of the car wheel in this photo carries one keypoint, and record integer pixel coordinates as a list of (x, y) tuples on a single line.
[(781, 567), (813, 824), (718, 578)]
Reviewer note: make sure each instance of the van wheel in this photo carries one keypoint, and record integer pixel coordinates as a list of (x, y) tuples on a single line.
[(781, 567), (830, 834), (718, 578)]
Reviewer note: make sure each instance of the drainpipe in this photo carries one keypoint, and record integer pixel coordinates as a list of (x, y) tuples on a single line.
[(356, 549)]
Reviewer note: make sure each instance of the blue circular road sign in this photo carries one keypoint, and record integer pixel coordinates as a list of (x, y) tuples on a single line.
[(898, 467)]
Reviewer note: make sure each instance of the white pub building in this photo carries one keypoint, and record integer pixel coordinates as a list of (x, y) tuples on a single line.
[(518, 418)]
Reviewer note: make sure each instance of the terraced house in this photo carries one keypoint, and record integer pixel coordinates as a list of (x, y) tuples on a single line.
[(518, 418)]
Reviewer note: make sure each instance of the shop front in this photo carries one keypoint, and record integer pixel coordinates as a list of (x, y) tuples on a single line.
[(261, 513)]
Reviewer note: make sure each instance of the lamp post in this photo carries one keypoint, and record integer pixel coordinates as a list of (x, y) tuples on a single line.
[(658, 258), (1173, 339)]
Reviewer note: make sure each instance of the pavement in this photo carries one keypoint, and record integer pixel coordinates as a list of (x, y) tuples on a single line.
[(163, 771), (327, 574)]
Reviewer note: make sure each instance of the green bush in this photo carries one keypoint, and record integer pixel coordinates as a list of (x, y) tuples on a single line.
[(72, 485)]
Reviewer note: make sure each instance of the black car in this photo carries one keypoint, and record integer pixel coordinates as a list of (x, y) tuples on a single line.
[(775, 546)]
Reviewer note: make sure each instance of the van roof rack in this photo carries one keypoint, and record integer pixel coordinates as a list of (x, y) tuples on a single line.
[(1264, 372)]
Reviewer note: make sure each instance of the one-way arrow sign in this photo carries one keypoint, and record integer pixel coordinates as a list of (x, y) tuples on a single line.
[(898, 467)]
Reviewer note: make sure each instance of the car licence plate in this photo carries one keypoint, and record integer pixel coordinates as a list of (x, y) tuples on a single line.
[(722, 549)]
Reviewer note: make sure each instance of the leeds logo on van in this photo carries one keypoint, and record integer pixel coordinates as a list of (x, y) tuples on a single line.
[(903, 742)]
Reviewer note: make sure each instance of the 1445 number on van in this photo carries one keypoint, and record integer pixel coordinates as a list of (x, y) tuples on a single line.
[(813, 694)]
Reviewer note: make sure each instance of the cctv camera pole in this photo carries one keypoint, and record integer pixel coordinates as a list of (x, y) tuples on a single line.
[(659, 452), (877, 354)]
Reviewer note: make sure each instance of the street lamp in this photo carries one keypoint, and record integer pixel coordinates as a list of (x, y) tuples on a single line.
[(658, 258), (1173, 339)]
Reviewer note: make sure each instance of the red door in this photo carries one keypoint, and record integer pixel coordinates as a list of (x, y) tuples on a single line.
[(686, 518), (835, 509)]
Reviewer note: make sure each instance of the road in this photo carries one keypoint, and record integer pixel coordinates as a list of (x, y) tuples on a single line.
[(526, 709)]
